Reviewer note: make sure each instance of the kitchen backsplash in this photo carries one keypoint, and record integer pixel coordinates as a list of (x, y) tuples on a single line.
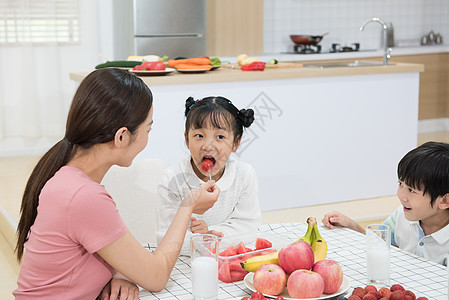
[(411, 20)]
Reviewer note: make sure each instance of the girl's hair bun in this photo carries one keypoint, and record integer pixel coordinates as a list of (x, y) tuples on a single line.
[(189, 103), (246, 117)]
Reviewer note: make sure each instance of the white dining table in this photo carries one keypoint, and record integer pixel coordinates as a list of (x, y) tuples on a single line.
[(347, 247)]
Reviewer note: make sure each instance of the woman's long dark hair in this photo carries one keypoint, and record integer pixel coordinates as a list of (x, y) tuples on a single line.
[(106, 100)]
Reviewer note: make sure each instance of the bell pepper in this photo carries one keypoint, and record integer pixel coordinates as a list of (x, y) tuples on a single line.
[(254, 66)]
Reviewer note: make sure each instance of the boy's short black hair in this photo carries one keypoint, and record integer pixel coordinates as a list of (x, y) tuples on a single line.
[(426, 168)]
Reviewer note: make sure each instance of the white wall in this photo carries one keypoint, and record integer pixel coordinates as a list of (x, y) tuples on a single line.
[(342, 19)]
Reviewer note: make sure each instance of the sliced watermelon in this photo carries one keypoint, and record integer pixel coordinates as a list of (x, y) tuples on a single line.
[(238, 275), (231, 271), (241, 248), (230, 251), (263, 244), (224, 274)]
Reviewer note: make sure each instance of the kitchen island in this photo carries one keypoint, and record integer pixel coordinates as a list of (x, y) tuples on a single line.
[(320, 135)]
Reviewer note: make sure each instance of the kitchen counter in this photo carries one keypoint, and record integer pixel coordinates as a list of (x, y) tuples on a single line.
[(226, 74), (348, 55)]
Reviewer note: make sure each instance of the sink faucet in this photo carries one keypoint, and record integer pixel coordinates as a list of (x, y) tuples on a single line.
[(387, 50)]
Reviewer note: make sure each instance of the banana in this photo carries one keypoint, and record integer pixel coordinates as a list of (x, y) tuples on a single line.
[(319, 245), (253, 263), (310, 234)]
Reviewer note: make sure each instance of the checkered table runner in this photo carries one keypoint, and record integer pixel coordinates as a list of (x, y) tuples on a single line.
[(347, 247)]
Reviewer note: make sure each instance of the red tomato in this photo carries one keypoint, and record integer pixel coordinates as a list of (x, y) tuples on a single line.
[(146, 65), (157, 65), (138, 68)]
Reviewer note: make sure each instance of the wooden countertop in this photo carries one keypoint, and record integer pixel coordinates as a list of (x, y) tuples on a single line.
[(226, 74)]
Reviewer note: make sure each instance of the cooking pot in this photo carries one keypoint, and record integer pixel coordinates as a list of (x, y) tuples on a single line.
[(307, 39)]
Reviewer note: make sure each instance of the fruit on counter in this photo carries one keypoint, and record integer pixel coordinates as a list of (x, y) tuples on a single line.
[(298, 255), (315, 240), (332, 274), (270, 279), (305, 284), (118, 64), (150, 66), (173, 63), (243, 59), (255, 262), (150, 58), (254, 66)]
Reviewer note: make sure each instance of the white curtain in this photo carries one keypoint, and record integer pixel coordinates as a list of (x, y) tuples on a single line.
[(35, 88)]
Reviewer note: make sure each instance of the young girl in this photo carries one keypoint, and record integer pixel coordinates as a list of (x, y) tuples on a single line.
[(213, 130), (74, 237), (420, 225)]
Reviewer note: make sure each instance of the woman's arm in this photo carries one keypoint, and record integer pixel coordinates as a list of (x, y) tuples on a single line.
[(152, 270)]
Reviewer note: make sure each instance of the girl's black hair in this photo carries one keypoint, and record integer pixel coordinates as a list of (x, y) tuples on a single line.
[(106, 100), (217, 110), (426, 168)]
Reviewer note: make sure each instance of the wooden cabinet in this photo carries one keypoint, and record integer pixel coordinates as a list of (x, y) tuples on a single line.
[(234, 27), (433, 84)]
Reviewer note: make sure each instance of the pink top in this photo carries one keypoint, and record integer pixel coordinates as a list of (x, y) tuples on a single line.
[(75, 218)]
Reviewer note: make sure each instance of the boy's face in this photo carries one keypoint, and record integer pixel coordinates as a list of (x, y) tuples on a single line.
[(416, 205)]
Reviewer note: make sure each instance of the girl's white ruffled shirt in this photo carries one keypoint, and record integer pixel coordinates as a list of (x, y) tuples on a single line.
[(237, 210)]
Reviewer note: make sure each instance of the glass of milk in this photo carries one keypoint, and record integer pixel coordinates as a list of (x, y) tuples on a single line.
[(204, 264), (378, 240)]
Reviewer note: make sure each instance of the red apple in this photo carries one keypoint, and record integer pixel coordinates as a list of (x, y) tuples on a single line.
[(305, 284), (270, 279), (332, 274), (298, 255)]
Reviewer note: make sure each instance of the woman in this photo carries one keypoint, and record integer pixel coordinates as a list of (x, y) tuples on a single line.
[(74, 238)]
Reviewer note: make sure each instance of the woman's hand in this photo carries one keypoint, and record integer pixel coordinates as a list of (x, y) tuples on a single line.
[(200, 226), (126, 289), (202, 198)]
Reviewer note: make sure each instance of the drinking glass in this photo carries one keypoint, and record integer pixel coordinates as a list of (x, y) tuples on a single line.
[(204, 266), (378, 240)]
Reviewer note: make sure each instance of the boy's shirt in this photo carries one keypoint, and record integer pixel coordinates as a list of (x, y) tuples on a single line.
[(409, 236)]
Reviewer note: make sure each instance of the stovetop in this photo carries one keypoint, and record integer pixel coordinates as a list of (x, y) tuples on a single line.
[(317, 49)]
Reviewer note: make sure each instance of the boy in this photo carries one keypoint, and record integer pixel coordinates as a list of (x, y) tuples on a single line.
[(420, 224)]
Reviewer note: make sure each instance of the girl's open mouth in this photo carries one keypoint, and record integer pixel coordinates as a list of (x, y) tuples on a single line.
[(208, 157)]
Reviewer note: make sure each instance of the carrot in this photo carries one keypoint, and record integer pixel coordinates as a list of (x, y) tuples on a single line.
[(193, 67), (191, 61)]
